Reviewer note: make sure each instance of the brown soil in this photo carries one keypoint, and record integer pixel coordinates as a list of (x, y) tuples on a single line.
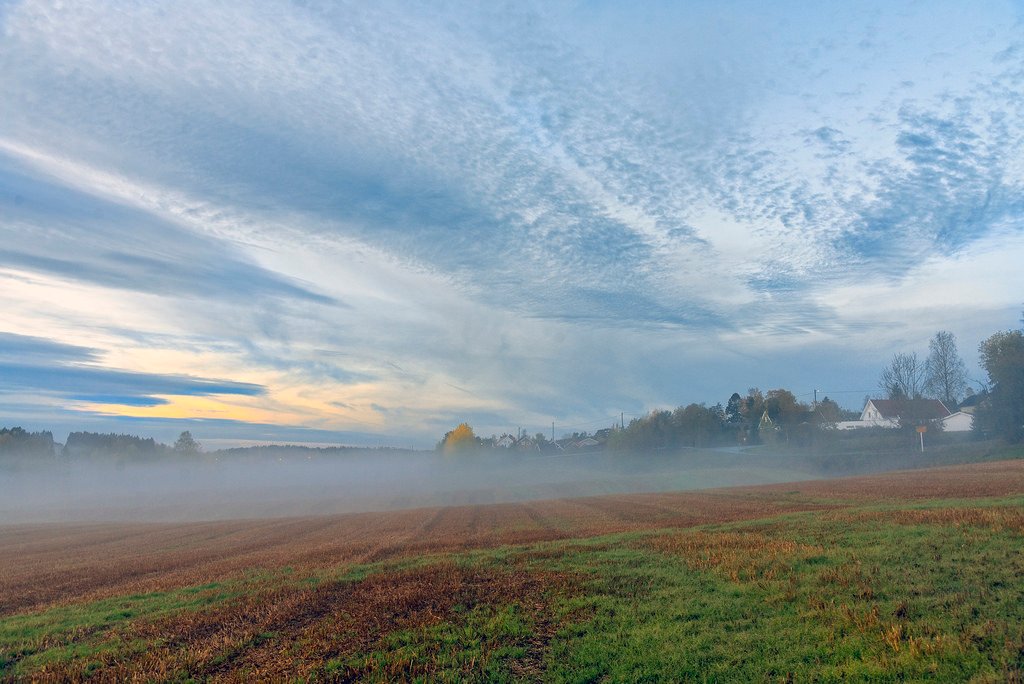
[(47, 564), (289, 632), (994, 478)]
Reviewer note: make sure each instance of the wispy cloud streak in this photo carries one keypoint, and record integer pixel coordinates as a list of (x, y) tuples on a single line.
[(501, 211)]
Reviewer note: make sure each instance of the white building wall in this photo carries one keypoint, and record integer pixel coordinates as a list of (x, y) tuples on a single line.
[(957, 422)]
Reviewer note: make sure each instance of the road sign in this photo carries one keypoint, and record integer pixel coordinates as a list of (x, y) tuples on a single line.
[(922, 429)]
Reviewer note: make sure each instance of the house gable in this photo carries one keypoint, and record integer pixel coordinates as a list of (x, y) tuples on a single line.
[(881, 410)]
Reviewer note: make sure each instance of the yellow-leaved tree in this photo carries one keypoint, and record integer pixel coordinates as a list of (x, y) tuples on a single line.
[(459, 440)]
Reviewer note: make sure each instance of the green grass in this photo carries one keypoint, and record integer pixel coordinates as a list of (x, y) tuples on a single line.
[(481, 644), (926, 592), (863, 602), (74, 632)]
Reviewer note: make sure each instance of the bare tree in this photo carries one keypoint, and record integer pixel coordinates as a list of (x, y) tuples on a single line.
[(904, 377), (945, 372)]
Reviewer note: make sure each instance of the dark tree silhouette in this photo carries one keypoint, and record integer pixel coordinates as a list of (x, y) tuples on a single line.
[(186, 444)]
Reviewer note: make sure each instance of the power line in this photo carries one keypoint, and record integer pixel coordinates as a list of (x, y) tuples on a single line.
[(612, 419), (864, 391)]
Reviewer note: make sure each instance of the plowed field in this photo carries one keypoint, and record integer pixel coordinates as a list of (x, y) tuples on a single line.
[(43, 564)]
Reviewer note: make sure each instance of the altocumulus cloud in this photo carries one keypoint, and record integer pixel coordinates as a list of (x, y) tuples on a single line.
[(390, 216)]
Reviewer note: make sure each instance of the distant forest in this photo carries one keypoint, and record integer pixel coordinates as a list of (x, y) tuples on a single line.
[(16, 443), (19, 446)]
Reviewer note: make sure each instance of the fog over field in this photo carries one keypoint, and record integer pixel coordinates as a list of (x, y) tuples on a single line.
[(367, 223), (292, 482), (511, 341)]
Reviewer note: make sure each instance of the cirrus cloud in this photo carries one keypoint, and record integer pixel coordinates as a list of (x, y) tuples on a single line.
[(387, 217)]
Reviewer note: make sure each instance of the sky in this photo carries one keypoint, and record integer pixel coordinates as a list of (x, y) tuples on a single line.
[(363, 223)]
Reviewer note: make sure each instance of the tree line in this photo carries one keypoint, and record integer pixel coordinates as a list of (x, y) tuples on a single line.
[(942, 375), (20, 447), (746, 419), (19, 444), (754, 418), (778, 415)]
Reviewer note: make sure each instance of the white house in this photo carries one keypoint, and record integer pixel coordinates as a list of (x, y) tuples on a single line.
[(957, 422), (886, 413), (506, 442), (527, 443)]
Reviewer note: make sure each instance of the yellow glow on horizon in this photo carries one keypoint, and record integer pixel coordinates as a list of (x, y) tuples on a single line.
[(306, 406), (93, 316), (185, 407)]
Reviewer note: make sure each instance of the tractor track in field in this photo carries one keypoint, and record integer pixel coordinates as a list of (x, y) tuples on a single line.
[(47, 564)]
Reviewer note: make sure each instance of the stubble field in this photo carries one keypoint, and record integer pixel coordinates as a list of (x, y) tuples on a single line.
[(912, 575)]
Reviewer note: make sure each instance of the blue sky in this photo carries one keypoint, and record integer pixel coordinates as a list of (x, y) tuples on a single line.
[(364, 223)]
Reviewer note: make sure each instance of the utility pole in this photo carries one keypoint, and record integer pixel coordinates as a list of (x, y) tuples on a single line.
[(552, 431), (815, 399), (622, 420)]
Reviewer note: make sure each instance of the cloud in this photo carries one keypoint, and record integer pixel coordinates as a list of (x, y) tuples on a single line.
[(119, 400), (24, 348), (947, 190), (83, 237), (107, 382), (831, 139), (211, 432), (32, 365), (509, 212)]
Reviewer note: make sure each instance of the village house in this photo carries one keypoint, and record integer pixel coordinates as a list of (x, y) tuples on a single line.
[(889, 413), (960, 421)]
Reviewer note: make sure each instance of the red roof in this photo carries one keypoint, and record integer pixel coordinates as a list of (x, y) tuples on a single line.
[(926, 409)]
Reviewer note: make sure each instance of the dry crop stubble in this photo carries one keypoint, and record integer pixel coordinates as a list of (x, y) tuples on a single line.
[(992, 478), (47, 564), (292, 631), (395, 595), (161, 557)]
